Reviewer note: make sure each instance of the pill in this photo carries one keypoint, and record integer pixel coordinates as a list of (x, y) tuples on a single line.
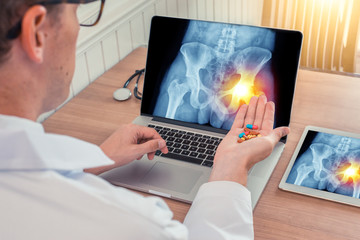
[(255, 127), (248, 134), (249, 126)]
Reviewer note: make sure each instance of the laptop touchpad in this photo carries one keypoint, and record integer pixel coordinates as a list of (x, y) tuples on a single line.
[(172, 177)]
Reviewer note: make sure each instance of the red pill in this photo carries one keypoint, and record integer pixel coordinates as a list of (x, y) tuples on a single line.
[(247, 133), (255, 127)]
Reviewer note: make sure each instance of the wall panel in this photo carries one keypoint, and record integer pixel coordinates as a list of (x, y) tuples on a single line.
[(201, 10), (192, 9), (95, 61), (124, 39), (147, 15), (218, 10), (110, 51), (137, 31), (160, 7), (172, 8), (81, 76), (183, 8)]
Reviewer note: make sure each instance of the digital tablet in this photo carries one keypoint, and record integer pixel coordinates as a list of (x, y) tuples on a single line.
[(325, 164)]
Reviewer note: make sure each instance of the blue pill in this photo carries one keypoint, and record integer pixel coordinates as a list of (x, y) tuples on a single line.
[(241, 135), (249, 126)]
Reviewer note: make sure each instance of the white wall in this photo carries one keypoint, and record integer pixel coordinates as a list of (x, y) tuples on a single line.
[(125, 26)]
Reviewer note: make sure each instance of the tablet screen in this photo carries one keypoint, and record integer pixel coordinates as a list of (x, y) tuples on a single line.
[(328, 161)]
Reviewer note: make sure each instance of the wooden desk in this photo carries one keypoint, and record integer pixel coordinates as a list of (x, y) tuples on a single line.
[(321, 99)]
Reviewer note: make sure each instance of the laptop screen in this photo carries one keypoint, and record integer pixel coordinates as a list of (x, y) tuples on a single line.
[(200, 72)]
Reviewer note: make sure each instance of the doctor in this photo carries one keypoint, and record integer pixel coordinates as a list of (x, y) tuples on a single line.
[(45, 192)]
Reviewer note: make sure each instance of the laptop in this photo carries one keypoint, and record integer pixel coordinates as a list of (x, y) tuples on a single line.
[(194, 71)]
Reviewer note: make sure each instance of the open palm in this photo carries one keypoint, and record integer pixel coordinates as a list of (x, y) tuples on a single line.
[(233, 159)]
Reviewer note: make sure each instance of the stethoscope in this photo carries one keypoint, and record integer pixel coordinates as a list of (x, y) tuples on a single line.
[(123, 94)]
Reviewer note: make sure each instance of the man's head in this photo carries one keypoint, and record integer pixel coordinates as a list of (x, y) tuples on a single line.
[(11, 13), (37, 54)]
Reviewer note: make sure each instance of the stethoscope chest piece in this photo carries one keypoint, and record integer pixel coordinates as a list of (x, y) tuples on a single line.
[(122, 94)]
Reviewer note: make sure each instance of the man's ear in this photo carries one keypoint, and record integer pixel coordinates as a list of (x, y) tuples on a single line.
[(32, 34)]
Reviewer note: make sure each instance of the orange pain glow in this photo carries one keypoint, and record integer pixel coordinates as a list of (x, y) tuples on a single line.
[(349, 172), (240, 92)]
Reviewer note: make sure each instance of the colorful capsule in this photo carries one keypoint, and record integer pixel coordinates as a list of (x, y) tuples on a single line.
[(250, 131)]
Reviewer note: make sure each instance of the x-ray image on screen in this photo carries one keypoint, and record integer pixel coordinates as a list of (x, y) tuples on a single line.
[(219, 67), (328, 162), (200, 72)]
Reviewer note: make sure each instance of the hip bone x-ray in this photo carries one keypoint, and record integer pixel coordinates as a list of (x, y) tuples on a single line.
[(330, 163), (218, 68)]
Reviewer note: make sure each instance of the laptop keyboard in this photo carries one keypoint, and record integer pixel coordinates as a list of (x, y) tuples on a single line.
[(188, 146)]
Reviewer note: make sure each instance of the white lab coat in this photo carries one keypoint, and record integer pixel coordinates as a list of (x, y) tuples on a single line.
[(44, 194)]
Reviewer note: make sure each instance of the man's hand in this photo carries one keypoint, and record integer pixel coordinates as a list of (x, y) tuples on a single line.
[(233, 160), (128, 143)]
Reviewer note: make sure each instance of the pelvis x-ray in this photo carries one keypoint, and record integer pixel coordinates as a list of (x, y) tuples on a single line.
[(330, 163), (218, 68)]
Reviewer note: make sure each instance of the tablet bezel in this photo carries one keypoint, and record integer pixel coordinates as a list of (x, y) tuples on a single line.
[(311, 191)]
